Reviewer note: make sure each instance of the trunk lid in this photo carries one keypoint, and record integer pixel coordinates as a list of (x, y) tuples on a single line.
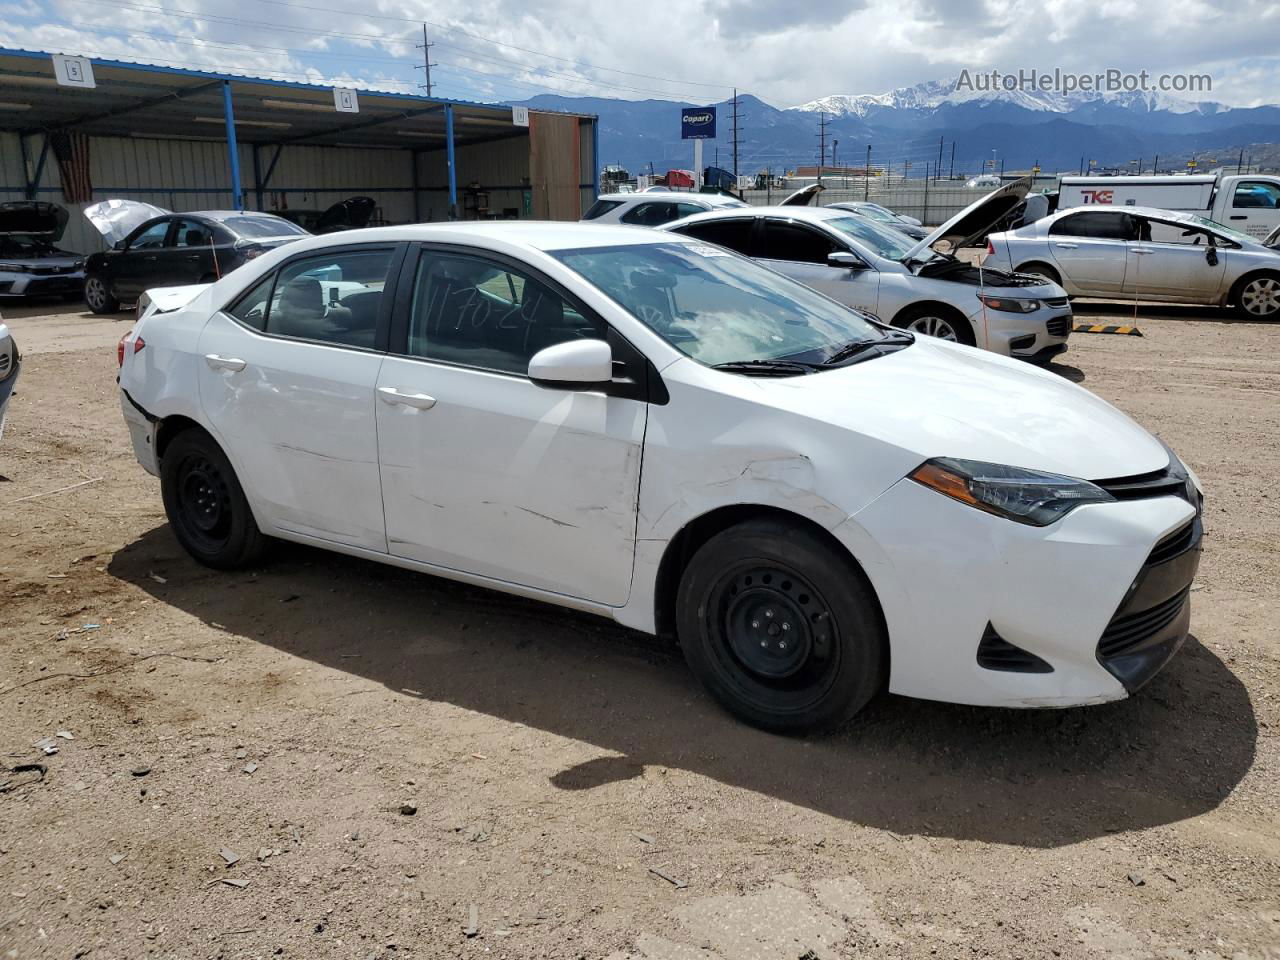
[(349, 214)]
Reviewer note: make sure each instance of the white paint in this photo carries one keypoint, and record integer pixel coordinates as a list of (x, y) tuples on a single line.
[(520, 116), (345, 100), (539, 491)]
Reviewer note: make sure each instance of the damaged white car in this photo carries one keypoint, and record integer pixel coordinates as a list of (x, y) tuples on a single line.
[(656, 430)]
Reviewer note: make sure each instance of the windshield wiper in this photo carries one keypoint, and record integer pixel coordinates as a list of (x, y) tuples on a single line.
[(851, 350), (766, 368)]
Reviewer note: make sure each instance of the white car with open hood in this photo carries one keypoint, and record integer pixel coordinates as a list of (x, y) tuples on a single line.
[(914, 284), (656, 430)]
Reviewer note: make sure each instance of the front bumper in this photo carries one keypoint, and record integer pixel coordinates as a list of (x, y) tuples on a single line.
[(947, 575), (1035, 336), (41, 284)]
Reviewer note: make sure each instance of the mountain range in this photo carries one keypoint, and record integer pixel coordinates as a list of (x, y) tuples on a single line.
[(905, 127)]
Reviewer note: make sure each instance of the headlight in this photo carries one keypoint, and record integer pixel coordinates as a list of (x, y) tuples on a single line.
[(14, 267), (1015, 493), (1009, 304)]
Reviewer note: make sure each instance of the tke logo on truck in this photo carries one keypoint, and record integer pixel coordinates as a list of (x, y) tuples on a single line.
[(1097, 196)]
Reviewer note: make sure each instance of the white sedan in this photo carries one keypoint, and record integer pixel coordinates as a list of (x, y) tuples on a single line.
[(655, 430), (909, 283), (10, 364), (652, 209)]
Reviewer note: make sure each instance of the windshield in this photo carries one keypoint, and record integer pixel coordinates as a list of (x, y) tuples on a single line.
[(1217, 227), (255, 227), (717, 307), (877, 213), (882, 241)]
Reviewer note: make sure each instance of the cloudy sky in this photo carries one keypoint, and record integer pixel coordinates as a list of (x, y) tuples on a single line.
[(783, 51)]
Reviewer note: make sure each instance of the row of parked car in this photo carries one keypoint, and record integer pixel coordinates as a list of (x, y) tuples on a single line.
[(146, 246)]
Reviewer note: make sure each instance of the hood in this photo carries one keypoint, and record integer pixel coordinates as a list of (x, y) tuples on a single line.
[(116, 219), (349, 214), (976, 219), (804, 196), (974, 405), (1273, 239), (33, 218)]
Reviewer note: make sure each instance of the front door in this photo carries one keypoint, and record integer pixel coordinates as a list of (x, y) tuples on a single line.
[(192, 256), (486, 472), (140, 264), (800, 251), (287, 376), (1254, 207), (1176, 262)]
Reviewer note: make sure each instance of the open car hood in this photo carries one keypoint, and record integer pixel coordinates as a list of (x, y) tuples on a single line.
[(1273, 239), (974, 220), (349, 214), (33, 218), (804, 196), (116, 219)]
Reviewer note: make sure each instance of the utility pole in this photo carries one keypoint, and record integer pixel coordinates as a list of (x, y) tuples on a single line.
[(1155, 167), (736, 139), (1240, 162), (866, 176), (937, 171), (953, 159), (425, 46), (822, 142)]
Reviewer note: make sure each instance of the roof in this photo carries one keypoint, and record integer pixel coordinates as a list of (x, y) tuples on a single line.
[(142, 100), (544, 235), (657, 196), (792, 213)]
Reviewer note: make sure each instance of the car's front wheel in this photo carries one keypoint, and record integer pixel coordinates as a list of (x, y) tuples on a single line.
[(206, 505), (1258, 298), (781, 627), (97, 294), (934, 320)]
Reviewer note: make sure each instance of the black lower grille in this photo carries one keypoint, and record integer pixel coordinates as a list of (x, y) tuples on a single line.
[(1058, 326), (1174, 544), (1056, 302), (997, 653), (1133, 630)]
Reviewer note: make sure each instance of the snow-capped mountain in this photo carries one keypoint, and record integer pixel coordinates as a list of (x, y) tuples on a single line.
[(928, 97)]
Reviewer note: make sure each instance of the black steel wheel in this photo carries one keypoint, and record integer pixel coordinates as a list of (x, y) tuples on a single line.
[(205, 504), (781, 627)]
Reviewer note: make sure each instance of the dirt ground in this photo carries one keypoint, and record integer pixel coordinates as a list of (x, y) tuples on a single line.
[(566, 771)]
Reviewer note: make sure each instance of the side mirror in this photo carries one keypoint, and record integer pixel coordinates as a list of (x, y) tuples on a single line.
[(119, 245), (576, 364), (849, 261), (944, 247), (1211, 254), (911, 220)]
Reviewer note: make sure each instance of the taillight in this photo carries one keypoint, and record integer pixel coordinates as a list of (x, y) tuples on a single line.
[(138, 344), (990, 248)]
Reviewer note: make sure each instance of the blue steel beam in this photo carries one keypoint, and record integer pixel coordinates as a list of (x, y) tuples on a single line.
[(233, 149), (453, 170)]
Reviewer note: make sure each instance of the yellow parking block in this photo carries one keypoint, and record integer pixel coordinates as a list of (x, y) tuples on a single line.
[(1124, 330)]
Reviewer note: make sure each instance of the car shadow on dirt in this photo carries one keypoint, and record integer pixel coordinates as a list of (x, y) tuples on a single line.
[(1117, 312), (1029, 778)]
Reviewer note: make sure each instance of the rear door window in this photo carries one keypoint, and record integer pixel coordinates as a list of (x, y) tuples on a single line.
[(192, 233), (796, 242), (734, 234), (652, 214), (1098, 224)]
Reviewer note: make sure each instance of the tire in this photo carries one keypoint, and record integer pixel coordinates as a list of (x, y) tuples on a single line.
[(97, 294), (937, 320), (206, 505), (781, 627), (1257, 297), (1041, 270)]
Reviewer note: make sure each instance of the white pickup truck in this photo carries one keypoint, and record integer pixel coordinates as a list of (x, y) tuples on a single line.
[(1249, 203)]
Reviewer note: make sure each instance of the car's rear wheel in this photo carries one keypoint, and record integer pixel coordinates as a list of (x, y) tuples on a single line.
[(1041, 270), (206, 505), (781, 627), (1258, 297), (97, 294), (935, 320)]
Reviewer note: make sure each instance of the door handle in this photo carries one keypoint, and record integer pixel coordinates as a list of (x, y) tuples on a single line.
[(232, 364), (1067, 246), (193, 256), (1239, 216), (419, 401), (1143, 252)]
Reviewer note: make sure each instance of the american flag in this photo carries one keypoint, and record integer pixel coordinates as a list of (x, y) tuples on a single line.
[(72, 153)]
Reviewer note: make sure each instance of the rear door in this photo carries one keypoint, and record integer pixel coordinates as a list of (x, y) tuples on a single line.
[(486, 472), (287, 383), (1091, 248)]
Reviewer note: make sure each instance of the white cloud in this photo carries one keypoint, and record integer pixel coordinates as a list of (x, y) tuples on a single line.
[(784, 52)]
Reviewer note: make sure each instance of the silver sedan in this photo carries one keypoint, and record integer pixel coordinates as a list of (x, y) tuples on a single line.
[(1131, 253)]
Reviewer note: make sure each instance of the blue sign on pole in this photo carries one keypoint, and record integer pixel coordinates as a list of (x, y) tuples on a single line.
[(697, 123)]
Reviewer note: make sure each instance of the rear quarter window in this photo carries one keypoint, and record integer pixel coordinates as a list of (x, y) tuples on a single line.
[(600, 208)]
